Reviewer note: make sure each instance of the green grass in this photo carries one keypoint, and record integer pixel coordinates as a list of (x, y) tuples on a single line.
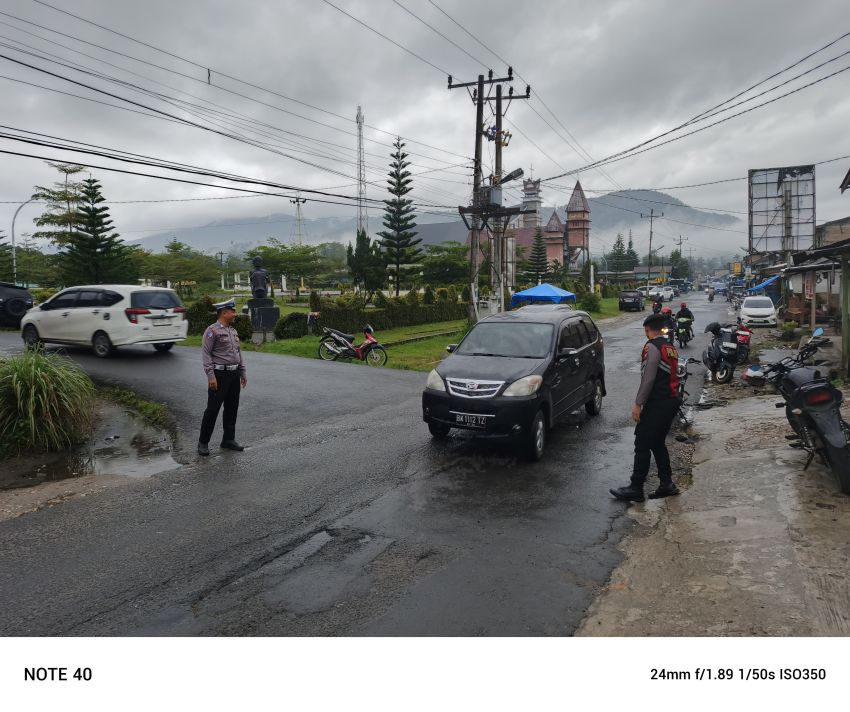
[(46, 403), (416, 355), (609, 306), (155, 414)]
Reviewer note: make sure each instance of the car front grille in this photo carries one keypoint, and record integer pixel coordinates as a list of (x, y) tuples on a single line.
[(473, 388)]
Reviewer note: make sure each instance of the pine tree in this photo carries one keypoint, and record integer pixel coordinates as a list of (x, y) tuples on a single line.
[(632, 259), (398, 240), (366, 264), (62, 200), (618, 258), (94, 254), (538, 266)]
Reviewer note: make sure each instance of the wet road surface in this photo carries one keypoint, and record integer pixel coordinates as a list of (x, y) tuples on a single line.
[(342, 517)]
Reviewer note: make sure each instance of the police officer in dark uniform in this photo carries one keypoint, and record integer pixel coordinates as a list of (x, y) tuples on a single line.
[(655, 407), (226, 376)]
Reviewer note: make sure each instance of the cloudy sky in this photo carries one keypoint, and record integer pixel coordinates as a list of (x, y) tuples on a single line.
[(290, 74)]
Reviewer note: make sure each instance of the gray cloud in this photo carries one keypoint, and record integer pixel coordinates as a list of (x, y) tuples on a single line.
[(614, 73)]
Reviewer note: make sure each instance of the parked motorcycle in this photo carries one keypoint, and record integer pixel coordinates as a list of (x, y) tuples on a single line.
[(812, 407), (743, 335), (682, 372), (336, 344), (683, 330), (721, 356)]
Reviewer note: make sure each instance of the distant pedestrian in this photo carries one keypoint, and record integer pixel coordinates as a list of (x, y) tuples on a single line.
[(655, 407), (226, 376)]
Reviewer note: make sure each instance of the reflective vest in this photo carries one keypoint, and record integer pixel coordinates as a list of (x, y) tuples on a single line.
[(666, 378)]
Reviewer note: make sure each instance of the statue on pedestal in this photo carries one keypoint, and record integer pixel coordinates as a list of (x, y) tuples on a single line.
[(260, 280)]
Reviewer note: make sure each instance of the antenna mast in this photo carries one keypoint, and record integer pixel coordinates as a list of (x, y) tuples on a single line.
[(362, 217)]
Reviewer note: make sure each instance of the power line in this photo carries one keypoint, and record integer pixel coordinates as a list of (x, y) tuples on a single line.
[(630, 153), (205, 81)]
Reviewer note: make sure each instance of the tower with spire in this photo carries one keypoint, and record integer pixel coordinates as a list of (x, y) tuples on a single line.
[(577, 230)]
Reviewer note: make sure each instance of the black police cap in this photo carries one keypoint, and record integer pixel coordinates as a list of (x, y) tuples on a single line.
[(655, 321)]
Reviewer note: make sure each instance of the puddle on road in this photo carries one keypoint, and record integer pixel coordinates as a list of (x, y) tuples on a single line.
[(122, 444)]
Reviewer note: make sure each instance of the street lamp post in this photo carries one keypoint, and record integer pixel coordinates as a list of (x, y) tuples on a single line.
[(14, 254)]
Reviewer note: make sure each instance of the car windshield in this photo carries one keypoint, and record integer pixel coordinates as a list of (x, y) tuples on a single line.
[(511, 339), (758, 303), (154, 300)]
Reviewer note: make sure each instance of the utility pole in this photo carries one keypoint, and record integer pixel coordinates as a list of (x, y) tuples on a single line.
[(298, 201), (220, 256), (651, 217), (679, 243), (481, 210)]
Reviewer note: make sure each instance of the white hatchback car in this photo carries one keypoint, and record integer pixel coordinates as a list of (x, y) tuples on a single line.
[(758, 311), (105, 316)]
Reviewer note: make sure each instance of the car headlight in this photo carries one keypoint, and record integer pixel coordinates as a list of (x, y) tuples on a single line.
[(524, 386), (435, 381)]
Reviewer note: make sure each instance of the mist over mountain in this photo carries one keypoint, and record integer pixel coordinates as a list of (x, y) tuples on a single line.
[(610, 214)]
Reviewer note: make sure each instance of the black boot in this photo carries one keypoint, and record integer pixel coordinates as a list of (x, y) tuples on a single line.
[(203, 449), (631, 493), (232, 445), (665, 489)]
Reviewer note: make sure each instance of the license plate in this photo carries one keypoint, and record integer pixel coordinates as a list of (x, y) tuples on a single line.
[(161, 322), (471, 421)]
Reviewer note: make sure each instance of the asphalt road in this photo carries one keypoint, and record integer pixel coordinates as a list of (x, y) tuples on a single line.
[(341, 518)]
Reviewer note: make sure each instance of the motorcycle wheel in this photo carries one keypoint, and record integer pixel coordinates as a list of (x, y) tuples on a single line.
[(839, 463), (325, 352), (724, 373), (377, 356)]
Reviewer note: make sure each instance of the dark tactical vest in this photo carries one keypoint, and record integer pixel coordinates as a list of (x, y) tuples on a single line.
[(666, 384)]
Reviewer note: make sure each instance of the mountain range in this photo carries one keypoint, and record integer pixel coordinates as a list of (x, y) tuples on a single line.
[(611, 213)]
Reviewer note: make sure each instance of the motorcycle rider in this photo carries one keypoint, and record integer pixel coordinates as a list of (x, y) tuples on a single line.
[(669, 323), (657, 304), (656, 404), (685, 313), (711, 294)]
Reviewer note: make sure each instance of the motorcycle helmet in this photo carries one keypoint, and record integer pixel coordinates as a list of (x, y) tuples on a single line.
[(754, 375), (666, 310), (683, 305), (367, 329), (713, 327)]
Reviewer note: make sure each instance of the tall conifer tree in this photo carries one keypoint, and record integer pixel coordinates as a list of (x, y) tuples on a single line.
[(94, 254), (398, 243)]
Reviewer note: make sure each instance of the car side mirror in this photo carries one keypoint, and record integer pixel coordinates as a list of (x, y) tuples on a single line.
[(451, 348), (44, 306), (566, 352)]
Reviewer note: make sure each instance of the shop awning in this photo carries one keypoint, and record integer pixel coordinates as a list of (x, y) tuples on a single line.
[(764, 284)]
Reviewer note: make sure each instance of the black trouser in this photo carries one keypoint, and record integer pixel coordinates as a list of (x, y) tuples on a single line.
[(650, 434), (227, 393)]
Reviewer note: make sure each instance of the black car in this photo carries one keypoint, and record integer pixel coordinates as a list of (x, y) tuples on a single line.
[(516, 373), (14, 303), (631, 299)]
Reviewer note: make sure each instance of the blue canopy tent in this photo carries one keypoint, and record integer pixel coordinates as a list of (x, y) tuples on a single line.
[(543, 293), (764, 284)]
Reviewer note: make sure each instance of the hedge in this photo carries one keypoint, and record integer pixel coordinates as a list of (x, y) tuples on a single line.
[(350, 320)]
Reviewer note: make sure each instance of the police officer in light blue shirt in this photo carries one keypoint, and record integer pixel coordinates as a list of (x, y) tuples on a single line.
[(226, 376)]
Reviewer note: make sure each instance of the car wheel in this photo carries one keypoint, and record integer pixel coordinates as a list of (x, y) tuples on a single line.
[(30, 337), (16, 308), (101, 344), (439, 431), (536, 443), (164, 347), (594, 406)]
